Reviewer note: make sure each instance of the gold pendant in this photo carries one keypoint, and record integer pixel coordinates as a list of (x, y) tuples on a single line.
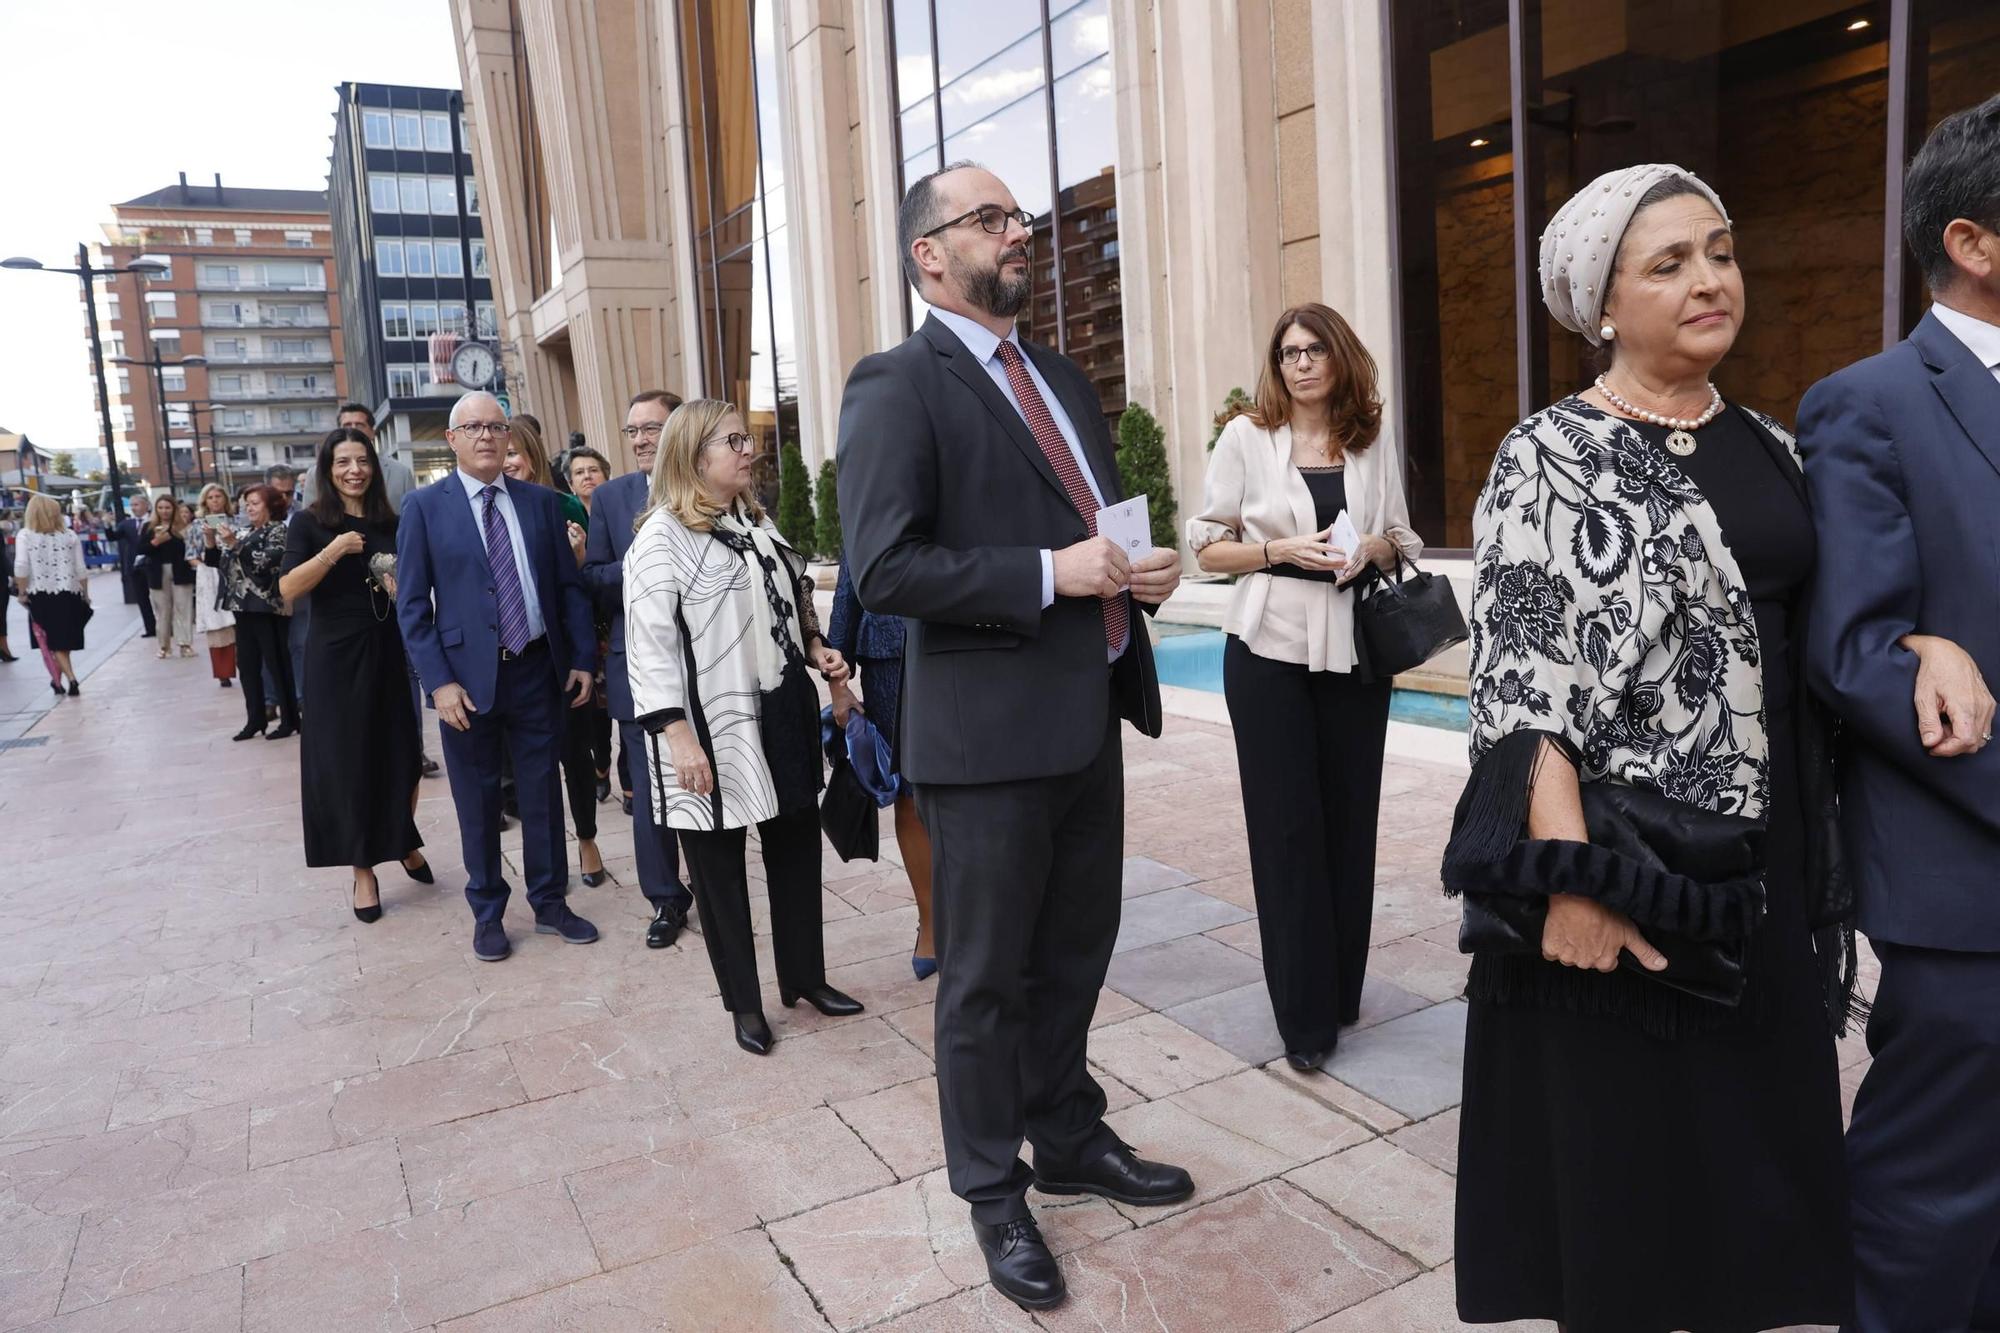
[(1680, 444)]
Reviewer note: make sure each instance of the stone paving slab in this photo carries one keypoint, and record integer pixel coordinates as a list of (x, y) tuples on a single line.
[(227, 1105)]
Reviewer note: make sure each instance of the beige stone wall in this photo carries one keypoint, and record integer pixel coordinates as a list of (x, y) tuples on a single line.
[(1475, 239)]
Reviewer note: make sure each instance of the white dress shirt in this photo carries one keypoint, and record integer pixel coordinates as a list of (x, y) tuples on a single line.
[(504, 502), (1982, 338), (984, 344)]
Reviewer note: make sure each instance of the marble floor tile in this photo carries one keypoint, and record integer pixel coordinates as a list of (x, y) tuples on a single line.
[(1270, 1257), (133, 1246), (694, 1192), (104, 1170), (1169, 914), (236, 1074), (1425, 1304), (35, 1252), (1393, 1194), (125, 1041), (1238, 1020), (979, 1310), (372, 1106), (731, 1285), (210, 1303), (1421, 967), (1434, 1140), (1410, 1063), (1157, 1057), (1324, 1087), (1220, 1160), (836, 1064), (434, 1266), (1160, 976), (1274, 1114), (900, 1124), (1143, 875)]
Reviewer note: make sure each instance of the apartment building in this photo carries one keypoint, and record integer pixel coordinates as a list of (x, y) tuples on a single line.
[(248, 288)]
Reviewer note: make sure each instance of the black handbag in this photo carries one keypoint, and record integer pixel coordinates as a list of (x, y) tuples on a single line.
[(1691, 879), (1400, 624), (847, 813)]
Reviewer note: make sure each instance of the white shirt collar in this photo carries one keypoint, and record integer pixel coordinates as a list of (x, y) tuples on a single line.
[(1982, 338), (979, 340), (473, 485)]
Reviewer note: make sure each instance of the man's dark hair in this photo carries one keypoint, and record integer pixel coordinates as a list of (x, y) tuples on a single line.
[(671, 399), (1956, 174), (362, 408), (919, 213), (279, 472)]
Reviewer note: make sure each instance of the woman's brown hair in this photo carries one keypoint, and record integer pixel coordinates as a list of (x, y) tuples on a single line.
[(526, 438), (1354, 404)]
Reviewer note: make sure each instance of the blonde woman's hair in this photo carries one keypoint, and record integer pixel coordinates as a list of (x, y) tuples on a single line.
[(528, 442), (172, 515), (44, 514), (676, 485), (201, 501)]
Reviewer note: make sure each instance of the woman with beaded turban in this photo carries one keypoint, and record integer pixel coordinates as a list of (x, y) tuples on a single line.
[(1662, 941)]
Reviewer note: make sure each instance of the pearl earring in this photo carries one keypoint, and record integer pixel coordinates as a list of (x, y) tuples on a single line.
[(1608, 332)]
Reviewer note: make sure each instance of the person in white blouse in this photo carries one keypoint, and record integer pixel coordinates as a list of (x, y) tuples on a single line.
[(49, 578), (1309, 718)]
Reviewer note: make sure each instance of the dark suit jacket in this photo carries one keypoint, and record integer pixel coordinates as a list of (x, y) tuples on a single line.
[(1902, 457), (445, 601), (613, 507), (130, 533), (946, 503)]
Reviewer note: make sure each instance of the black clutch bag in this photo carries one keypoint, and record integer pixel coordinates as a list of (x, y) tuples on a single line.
[(847, 813), (1401, 623), (1691, 879)]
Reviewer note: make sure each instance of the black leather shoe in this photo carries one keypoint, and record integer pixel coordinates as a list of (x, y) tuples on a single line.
[(823, 998), (421, 872), (1308, 1061), (372, 913), (489, 942), (668, 922), (429, 767), (626, 801), (1120, 1175), (249, 733), (753, 1034), (285, 731), (1019, 1262), (561, 921)]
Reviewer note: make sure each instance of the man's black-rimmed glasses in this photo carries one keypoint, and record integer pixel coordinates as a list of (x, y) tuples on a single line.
[(992, 217)]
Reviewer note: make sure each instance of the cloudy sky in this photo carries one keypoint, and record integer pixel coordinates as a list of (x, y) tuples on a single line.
[(109, 106)]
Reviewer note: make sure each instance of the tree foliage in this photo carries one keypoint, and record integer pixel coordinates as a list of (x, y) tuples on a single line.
[(826, 498), (1143, 470), (795, 507), (1237, 398), (64, 466)]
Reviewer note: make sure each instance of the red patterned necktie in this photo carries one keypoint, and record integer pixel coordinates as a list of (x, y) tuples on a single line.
[(1056, 449)]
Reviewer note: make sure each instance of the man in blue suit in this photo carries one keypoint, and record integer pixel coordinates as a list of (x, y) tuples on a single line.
[(494, 615), (614, 508), (1902, 455)]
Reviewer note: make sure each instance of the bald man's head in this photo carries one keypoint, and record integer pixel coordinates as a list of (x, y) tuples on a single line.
[(478, 435)]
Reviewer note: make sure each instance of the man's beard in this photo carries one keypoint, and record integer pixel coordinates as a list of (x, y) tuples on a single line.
[(990, 289)]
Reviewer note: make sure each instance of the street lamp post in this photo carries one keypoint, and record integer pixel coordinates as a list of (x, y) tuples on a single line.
[(193, 407), (88, 275), (158, 365)]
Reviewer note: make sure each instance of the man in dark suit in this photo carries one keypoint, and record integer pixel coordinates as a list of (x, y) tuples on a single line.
[(613, 509), (494, 615), (131, 534), (972, 467), (1902, 454)]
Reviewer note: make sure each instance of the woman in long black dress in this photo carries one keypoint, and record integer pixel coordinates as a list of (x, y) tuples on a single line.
[(359, 764), (1632, 1157)]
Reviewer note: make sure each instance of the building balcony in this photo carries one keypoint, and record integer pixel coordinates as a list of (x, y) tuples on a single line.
[(318, 320), (271, 358), (253, 285), (271, 395)]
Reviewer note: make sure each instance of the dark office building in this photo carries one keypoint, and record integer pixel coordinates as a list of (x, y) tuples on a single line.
[(411, 256)]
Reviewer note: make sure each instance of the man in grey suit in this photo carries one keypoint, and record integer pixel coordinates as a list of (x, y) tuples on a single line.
[(972, 468), (614, 507)]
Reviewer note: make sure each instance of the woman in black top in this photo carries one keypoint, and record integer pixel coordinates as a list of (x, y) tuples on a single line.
[(1308, 718), (170, 577), (251, 561), (359, 761)]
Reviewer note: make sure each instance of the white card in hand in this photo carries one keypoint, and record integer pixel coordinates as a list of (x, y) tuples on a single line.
[(1128, 525), (1344, 538)]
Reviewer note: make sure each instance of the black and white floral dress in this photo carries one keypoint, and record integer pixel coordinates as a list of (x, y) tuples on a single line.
[(1630, 1159)]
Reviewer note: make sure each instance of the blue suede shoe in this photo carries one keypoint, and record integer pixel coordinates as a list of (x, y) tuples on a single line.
[(489, 942), (925, 968), (561, 921)]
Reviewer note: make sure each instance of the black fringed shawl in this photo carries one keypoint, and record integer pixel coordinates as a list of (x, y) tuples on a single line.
[(1610, 619)]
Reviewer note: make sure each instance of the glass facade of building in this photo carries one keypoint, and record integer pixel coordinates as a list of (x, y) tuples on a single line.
[(1801, 114), (749, 352), (1023, 87)]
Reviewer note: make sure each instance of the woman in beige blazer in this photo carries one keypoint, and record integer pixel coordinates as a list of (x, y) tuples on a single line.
[(1309, 719)]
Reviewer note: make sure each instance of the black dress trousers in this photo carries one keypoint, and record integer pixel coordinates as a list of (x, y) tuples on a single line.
[(722, 890), (1309, 749), (1026, 890)]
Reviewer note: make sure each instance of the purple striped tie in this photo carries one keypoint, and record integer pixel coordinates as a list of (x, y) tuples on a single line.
[(506, 576)]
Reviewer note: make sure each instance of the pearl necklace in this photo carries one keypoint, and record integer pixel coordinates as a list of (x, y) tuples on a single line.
[(1681, 442)]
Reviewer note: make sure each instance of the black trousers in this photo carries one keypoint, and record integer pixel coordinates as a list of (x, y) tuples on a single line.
[(261, 640), (579, 777), (722, 891), (1309, 750), (1923, 1153), (654, 848), (1025, 883)]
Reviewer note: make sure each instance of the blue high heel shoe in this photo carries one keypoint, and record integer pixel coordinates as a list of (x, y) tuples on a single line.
[(924, 968)]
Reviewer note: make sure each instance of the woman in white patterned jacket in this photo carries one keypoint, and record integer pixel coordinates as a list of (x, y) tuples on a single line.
[(719, 636)]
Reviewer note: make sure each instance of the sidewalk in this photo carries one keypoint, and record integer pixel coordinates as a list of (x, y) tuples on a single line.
[(225, 1104)]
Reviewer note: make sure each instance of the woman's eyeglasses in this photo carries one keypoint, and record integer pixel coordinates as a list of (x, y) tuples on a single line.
[(736, 442), (1291, 356)]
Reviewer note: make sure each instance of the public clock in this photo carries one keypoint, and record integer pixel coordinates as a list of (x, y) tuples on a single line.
[(474, 365)]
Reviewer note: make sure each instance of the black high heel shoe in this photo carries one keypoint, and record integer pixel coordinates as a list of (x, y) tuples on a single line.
[(421, 872), (368, 916), (753, 1034), (823, 998), (591, 878), (75, 687), (56, 685), (249, 733)]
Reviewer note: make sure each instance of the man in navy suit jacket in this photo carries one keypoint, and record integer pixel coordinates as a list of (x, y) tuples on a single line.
[(493, 614), (1902, 455), (614, 508), (131, 534)]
